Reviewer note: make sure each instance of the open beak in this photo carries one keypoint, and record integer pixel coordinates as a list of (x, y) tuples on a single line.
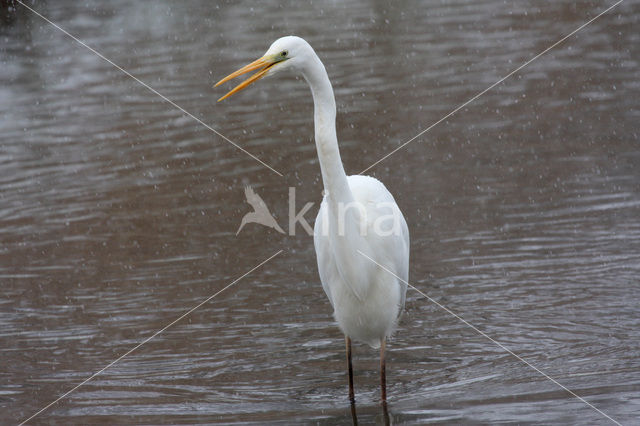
[(263, 64)]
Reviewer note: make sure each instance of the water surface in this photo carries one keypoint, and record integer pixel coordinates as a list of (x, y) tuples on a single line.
[(118, 213)]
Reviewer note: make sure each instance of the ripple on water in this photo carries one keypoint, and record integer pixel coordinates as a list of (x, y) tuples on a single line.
[(118, 213)]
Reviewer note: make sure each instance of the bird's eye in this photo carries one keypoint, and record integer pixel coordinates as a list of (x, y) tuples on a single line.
[(284, 53)]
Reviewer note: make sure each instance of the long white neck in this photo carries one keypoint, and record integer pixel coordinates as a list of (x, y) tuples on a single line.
[(343, 221), (333, 175)]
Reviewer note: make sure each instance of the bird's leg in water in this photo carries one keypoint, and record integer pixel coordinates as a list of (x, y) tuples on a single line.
[(352, 397), (383, 373)]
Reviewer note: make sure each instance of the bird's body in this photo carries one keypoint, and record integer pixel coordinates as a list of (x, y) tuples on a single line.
[(367, 300), (359, 231)]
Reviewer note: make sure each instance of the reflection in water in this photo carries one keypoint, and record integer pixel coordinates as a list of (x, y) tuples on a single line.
[(118, 213), (354, 414)]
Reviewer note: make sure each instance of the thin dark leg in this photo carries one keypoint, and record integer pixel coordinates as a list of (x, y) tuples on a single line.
[(354, 416), (383, 374), (352, 397)]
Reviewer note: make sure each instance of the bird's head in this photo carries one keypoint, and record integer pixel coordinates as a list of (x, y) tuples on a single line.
[(288, 52)]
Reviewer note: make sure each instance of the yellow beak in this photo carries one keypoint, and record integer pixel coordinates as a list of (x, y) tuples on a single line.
[(263, 64)]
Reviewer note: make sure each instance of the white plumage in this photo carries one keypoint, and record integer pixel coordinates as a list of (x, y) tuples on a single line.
[(359, 223), (366, 299)]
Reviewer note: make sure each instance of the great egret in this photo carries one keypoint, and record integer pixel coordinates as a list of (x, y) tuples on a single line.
[(350, 239)]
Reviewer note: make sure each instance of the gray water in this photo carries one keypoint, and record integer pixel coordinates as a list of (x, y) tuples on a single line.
[(118, 213)]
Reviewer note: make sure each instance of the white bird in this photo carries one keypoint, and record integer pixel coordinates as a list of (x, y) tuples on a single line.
[(353, 245), (260, 214)]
